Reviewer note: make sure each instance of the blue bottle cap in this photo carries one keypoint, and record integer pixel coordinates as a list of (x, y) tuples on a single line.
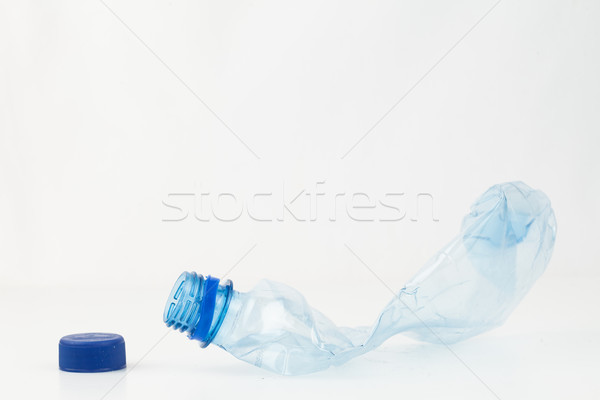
[(91, 352)]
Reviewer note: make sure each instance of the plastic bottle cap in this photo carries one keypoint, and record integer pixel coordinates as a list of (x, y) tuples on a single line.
[(91, 352)]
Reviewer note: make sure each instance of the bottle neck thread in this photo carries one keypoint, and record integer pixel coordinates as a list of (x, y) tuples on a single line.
[(197, 306)]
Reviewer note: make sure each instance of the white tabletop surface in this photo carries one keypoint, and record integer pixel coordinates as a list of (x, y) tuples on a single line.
[(548, 349)]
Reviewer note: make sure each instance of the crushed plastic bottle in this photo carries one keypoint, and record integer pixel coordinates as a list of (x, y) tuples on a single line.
[(470, 286)]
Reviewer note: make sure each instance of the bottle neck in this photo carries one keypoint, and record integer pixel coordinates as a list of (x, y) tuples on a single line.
[(223, 299), (225, 335), (197, 305)]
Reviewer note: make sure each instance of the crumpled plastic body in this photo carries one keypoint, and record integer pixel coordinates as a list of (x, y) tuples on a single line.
[(470, 286)]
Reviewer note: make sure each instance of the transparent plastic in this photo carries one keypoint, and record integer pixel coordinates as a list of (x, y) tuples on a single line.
[(470, 286)]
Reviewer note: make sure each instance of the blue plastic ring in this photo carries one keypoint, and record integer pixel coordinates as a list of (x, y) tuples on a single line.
[(229, 287), (207, 310)]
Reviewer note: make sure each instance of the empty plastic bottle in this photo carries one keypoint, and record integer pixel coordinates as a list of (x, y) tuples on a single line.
[(470, 286)]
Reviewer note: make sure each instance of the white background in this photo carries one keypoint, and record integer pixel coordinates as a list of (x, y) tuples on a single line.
[(102, 117)]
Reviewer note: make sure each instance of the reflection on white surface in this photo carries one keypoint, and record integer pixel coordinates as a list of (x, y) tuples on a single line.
[(93, 385)]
